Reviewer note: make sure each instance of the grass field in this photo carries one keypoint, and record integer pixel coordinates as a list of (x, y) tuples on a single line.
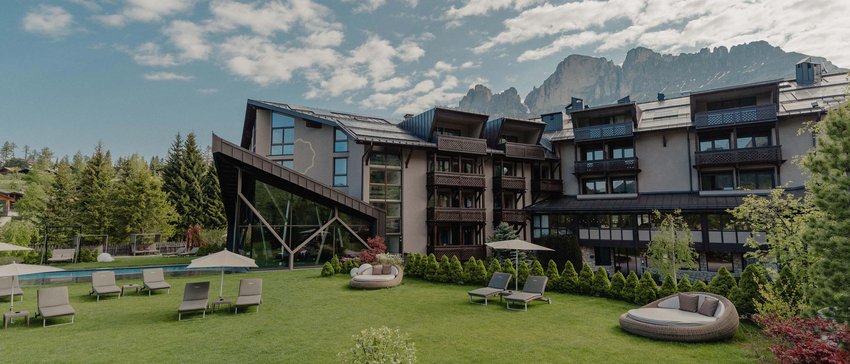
[(309, 319), (120, 262)]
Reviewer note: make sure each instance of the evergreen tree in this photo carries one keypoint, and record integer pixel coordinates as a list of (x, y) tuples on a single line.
[(601, 283), (141, 204), (336, 264), (502, 232), (445, 273), (494, 267), (432, 268), (630, 288), (553, 275), (62, 196), (522, 274), (569, 279), (455, 274), (668, 287), (33, 206), (213, 206), (78, 165), (96, 192), (672, 248), (482, 277), (699, 286), (723, 283), (508, 267), (788, 288), (469, 268), (585, 279), (747, 294), (194, 169), (537, 269), (647, 290), (174, 183), (685, 285), (618, 283)]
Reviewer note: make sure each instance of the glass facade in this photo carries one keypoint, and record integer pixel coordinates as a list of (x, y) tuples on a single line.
[(385, 183), (283, 135)]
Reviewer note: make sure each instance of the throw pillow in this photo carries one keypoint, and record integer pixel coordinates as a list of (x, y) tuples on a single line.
[(388, 269), (377, 270), (708, 307), (688, 302)]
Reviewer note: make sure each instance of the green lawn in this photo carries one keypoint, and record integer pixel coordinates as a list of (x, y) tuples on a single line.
[(309, 319), (120, 262)]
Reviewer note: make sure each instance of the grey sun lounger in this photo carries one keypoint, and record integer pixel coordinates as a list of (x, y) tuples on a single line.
[(532, 290), (250, 293), (193, 251), (103, 283), (9, 285), (53, 302), (195, 298), (497, 286), (154, 279)]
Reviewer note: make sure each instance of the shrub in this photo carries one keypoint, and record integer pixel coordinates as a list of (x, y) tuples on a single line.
[(474, 272), (647, 290), (585, 279), (618, 283), (806, 340), (389, 259), (684, 285), (336, 264), (209, 249), (350, 263), (381, 345), (569, 279), (522, 275), (495, 266), (566, 248), (601, 283), (508, 267), (723, 283), (328, 269), (553, 275), (455, 274), (469, 268), (747, 294), (376, 246), (445, 271), (482, 277), (699, 286), (630, 288), (668, 287), (432, 268), (788, 287), (537, 269), (411, 264)]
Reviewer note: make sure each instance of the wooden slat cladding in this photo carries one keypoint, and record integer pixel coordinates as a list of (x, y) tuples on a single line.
[(509, 183), (771, 155), (456, 214), (523, 151), (456, 144), (453, 179), (735, 116), (513, 216), (606, 131), (547, 185)]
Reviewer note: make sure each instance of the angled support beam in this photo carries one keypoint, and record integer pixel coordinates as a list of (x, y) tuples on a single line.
[(265, 223)]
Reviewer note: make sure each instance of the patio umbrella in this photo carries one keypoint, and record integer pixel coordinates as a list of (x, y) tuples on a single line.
[(516, 245), (223, 259), (15, 269), (6, 247)]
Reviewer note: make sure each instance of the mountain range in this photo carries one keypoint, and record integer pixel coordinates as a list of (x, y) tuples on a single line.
[(643, 74)]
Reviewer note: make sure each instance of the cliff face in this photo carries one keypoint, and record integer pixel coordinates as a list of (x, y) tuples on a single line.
[(644, 73)]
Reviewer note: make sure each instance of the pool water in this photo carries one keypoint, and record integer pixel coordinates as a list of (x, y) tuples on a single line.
[(84, 275)]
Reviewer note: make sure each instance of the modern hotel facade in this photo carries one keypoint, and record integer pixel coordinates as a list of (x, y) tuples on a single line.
[(304, 183)]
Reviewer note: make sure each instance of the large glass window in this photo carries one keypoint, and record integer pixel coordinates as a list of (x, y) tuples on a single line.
[(340, 141), (717, 181), (623, 185), (288, 163), (283, 135), (753, 139), (595, 153), (619, 151), (595, 186), (715, 260), (712, 142), (602, 256), (385, 182), (540, 226), (340, 172), (756, 179)]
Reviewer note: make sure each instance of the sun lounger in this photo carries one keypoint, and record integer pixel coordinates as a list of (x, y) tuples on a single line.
[(9, 285), (154, 279), (180, 251), (103, 283), (250, 293), (193, 251), (497, 286), (195, 298), (53, 302), (145, 249), (532, 290), (62, 255)]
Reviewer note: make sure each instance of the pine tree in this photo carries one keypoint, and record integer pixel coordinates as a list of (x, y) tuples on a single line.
[(522, 274), (502, 232), (723, 283), (668, 287), (685, 285), (96, 193), (630, 288), (747, 293), (141, 204), (618, 283), (194, 169), (553, 275), (175, 184), (62, 196), (585, 279), (699, 286), (213, 206), (788, 288), (647, 290), (601, 283), (336, 264), (569, 279)]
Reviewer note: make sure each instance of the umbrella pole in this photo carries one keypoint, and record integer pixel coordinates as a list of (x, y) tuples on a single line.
[(12, 296), (221, 287), (516, 263)]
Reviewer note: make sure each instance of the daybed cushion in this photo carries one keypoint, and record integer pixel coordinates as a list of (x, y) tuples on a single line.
[(669, 317), (373, 278), (157, 285), (377, 269), (393, 270), (708, 307), (387, 270), (673, 302), (56, 311), (688, 302)]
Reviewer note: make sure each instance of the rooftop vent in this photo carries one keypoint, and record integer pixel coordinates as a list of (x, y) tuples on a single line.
[(407, 116), (553, 121), (809, 71), (575, 104), (625, 100), (660, 96)]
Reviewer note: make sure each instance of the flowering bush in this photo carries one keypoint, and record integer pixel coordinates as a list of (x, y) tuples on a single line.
[(806, 340), (381, 345), (389, 259), (376, 246)]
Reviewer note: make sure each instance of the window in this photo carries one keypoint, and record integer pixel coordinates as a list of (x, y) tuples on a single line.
[(728, 104), (595, 186), (340, 141), (593, 153), (759, 179), (340, 172), (540, 226), (622, 151), (283, 135), (468, 165), (756, 139), (508, 169), (623, 185), (385, 159), (708, 143), (288, 163), (715, 260), (602, 256), (448, 131), (717, 181), (393, 210), (510, 138)]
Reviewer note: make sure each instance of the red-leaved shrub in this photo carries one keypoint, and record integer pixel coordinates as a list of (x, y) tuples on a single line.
[(376, 246), (806, 340)]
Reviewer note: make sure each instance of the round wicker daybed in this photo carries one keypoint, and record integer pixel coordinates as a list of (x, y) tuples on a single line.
[(682, 325), (374, 277)]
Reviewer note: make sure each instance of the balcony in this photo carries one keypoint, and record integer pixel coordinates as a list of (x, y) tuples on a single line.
[(462, 252), (454, 179), (546, 185), (772, 155), (455, 214), (605, 131), (523, 151), (456, 144), (511, 216), (607, 165), (509, 183), (735, 116)]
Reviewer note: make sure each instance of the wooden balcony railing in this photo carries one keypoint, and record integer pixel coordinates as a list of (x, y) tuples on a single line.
[(509, 183), (456, 214), (771, 155), (523, 151), (607, 165), (513, 216), (456, 144), (547, 185), (454, 179), (735, 116), (462, 252), (606, 131)]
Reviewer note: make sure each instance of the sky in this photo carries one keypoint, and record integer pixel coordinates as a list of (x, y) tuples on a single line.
[(131, 74)]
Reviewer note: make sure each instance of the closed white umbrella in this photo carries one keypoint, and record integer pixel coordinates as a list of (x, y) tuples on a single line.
[(222, 259), (15, 269), (516, 245)]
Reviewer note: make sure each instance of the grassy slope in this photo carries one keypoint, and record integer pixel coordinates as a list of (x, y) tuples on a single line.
[(307, 319), (128, 262)]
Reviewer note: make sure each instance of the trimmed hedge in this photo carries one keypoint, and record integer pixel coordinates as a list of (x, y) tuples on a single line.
[(685, 285), (537, 269), (455, 273), (631, 287), (445, 272), (522, 275), (328, 269), (508, 267), (747, 293), (723, 283), (432, 268), (668, 287), (569, 279), (601, 283), (336, 264), (553, 275), (647, 290), (585, 279), (700, 286), (618, 283), (494, 267)]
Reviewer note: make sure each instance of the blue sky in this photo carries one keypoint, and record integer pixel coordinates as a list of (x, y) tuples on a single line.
[(133, 73)]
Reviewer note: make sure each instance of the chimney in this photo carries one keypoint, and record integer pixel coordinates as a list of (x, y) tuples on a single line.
[(575, 104), (554, 121), (407, 116), (660, 96), (624, 100), (808, 71)]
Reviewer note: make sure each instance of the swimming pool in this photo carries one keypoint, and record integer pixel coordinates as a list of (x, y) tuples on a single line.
[(84, 275)]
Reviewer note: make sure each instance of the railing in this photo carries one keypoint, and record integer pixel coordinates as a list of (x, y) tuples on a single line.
[(607, 165), (513, 216), (462, 252), (771, 154), (735, 116), (547, 185), (509, 183), (455, 214), (523, 151), (606, 131), (456, 144), (455, 179)]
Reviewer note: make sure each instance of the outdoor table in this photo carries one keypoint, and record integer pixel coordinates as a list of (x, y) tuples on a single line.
[(135, 286), (10, 316), (218, 302)]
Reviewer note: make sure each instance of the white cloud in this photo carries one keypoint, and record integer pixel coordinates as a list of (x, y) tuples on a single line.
[(90, 5), (410, 51), (145, 11), (391, 84), (150, 54), (368, 6), (272, 17), (483, 7), (166, 76), (425, 94), (189, 38), (50, 21), (325, 38), (264, 62)]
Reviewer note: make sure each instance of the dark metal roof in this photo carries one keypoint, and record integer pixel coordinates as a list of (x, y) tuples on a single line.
[(494, 128), (229, 158), (422, 125), (642, 203)]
